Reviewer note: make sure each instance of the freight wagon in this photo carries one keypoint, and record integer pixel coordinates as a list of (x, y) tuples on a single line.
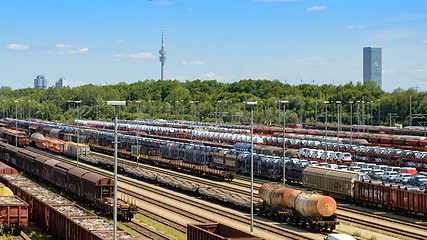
[(12, 136), (64, 219), (83, 184), (13, 213)]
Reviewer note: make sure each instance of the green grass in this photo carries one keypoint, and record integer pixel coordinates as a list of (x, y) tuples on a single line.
[(169, 231)]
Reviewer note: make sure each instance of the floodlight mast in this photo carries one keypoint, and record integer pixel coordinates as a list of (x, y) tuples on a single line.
[(115, 104)]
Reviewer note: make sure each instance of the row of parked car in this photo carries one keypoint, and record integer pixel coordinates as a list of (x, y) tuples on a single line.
[(328, 156), (391, 152), (393, 174)]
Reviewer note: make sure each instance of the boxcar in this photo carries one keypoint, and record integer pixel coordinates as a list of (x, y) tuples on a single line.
[(95, 186), (38, 165), (338, 183), (73, 180), (48, 166), (60, 174)]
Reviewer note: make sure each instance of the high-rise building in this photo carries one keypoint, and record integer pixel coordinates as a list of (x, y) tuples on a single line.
[(62, 82), (40, 82), (372, 65)]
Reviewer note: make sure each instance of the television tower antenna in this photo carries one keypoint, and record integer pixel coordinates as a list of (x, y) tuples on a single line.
[(162, 57)]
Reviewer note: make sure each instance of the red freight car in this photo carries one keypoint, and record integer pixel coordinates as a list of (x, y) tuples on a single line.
[(390, 196), (216, 231), (410, 201), (5, 169), (38, 164), (13, 213), (59, 218)]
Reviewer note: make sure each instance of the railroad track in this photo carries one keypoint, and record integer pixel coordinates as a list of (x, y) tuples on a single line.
[(375, 224), (279, 231), (168, 222), (146, 231)]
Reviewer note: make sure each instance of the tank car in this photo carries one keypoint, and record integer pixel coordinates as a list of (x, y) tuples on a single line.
[(314, 211)]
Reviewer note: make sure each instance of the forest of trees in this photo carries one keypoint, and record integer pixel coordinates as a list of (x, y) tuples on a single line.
[(165, 99)]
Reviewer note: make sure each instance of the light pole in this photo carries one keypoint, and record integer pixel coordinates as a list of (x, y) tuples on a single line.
[(268, 112), (316, 112), (232, 112), (16, 124), (284, 140), (338, 123), (78, 132), (244, 111), (137, 132), (252, 164), (379, 112), (191, 103), (218, 109), (3, 108), (29, 108), (115, 104), (326, 129), (182, 110), (351, 123), (372, 116), (358, 119)]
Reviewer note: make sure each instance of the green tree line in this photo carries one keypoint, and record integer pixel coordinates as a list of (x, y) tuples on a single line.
[(220, 102)]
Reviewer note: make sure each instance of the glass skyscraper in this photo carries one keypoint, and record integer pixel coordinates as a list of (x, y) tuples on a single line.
[(372, 65)]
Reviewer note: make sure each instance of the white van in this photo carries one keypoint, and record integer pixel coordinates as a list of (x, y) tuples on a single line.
[(340, 236)]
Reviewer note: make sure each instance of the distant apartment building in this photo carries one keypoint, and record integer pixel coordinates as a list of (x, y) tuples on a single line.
[(62, 82), (372, 65), (40, 82)]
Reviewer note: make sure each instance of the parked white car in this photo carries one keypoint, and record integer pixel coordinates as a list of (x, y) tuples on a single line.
[(402, 177), (389, 176), (344, 158)]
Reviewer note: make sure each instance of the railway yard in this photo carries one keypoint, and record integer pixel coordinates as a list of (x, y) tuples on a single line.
[(178, 180)]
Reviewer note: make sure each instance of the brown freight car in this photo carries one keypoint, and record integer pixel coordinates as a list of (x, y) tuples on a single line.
[(13, 213), (60, 217), (48, 166), (60, 174), (391, 197), (73, 180), (94, 186), (216, 231)]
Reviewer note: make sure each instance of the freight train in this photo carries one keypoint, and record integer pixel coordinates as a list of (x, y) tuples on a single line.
[(358, 187), (63, 218), (81, 183)]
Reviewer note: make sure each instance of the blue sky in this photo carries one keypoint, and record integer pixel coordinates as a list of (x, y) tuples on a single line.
[(100, 41)]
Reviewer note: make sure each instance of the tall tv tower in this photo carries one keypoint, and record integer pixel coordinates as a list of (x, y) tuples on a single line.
[(162, 57)]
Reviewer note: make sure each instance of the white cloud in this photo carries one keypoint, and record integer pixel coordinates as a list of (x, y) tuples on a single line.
[(408, 17), (17, 47), (418, 71), (80, 51), (351, 27), (192, 62), (62, 46), (389, 72), (189, 9), (424, 41), (314, 63), (121, 41), (316, 9), (163, 3), (141, 55), (210, 75)]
